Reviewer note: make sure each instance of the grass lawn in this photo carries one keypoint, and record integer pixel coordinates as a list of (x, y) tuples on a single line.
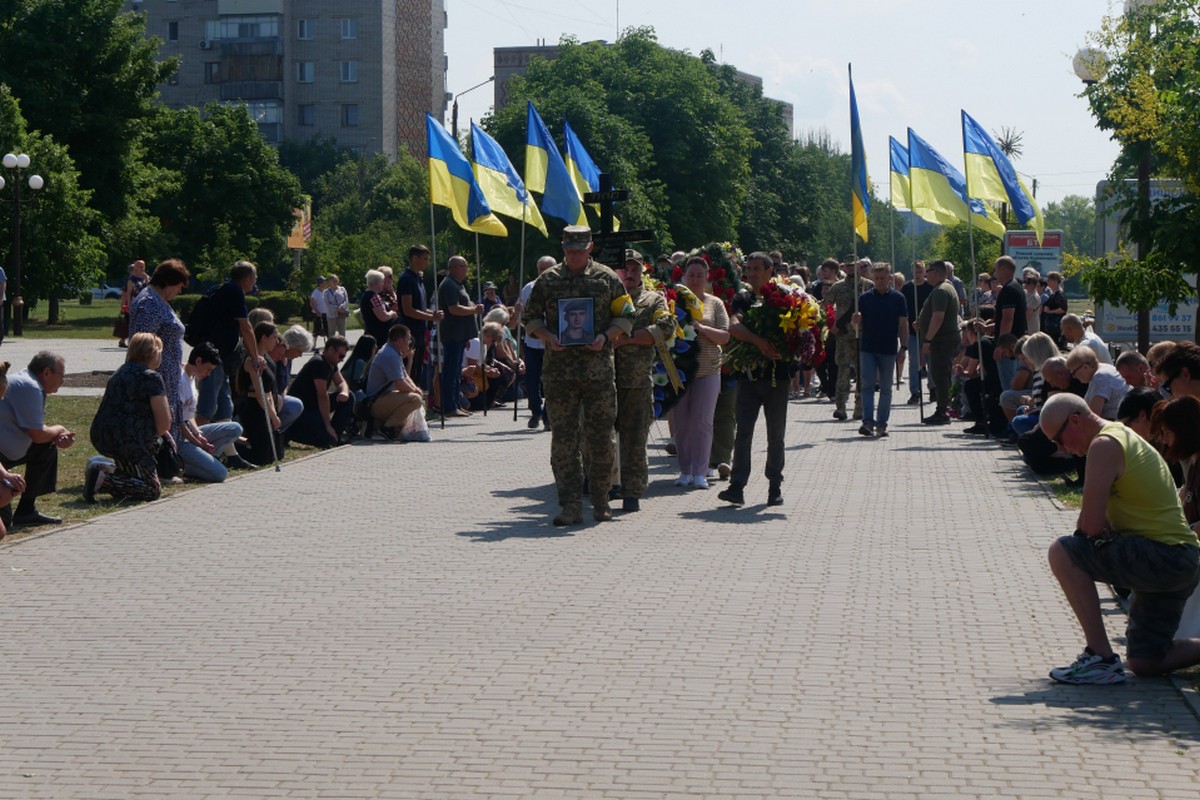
[(77, 321), (76, 413), (93, 321)]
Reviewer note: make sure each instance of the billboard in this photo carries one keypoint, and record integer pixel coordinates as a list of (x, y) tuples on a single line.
[(1023, 247)]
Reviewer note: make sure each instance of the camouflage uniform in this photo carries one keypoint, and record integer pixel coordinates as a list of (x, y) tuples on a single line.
[(579, 384), (635, 391), (841, 295)]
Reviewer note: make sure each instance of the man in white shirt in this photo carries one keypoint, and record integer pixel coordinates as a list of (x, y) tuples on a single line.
[(535, 352), (316, 301), (1074, 332)]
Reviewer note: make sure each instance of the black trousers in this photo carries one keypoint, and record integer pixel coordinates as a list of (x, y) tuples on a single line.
[(41, 471), (773, 400), (989, 412)]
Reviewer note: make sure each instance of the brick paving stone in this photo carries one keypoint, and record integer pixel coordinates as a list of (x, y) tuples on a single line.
[(401, 621)]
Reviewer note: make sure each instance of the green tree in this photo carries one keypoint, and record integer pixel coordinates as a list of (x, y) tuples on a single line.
[(954, 245), (86, 76), (60, 256), (224, 195), (1075, 216), (1145, 95), (309, 159), (367, 211)]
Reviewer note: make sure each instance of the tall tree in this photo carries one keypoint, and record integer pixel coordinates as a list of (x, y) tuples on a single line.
[(59, 254), (86, 75), (226, 197), (1075, 216)]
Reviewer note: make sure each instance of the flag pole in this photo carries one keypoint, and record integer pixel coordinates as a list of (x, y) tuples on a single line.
[(479, 287), (983, 398), (892, 225), (853, 277), (912, 238), (521, 287), (433, 377)]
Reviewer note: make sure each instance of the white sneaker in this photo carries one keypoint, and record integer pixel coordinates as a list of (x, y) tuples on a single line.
[(700, 482), (683, 480), (1090, 668)]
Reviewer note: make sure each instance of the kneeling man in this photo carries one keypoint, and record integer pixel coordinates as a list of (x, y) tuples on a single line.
[(1131, 532)]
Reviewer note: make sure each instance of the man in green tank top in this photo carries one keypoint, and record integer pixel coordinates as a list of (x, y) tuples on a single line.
[(1131, 532)]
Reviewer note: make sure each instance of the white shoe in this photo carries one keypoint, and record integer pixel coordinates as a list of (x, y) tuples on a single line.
[(683, 480), (700, 482)]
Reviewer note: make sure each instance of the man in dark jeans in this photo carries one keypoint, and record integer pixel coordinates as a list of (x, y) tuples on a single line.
[(459, 327), (535, 354), (768, 391)]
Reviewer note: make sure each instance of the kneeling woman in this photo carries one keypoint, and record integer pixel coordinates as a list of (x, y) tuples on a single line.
[(256, 412), (132, 416)]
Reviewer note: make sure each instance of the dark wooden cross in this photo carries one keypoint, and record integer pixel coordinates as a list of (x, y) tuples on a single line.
[(610, 245)]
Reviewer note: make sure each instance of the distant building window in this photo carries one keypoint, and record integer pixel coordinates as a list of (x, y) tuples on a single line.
[(350, 115), (241, 27), (264, 112), (306, 115), (304, 29), (305, 72), (349, 28), (212, 71), (172, 31), (349, 70)]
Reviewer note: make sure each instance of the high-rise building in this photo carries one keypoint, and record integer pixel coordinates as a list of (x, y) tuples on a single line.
[(363, 72)]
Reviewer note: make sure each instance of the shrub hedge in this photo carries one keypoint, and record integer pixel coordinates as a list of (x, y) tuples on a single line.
[(284, 305)]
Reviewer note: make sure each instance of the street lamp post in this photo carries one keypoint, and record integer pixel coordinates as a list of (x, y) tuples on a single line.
[(17, 164), (454, 106)]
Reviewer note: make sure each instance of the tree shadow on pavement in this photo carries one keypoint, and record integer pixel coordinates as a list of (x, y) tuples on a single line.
[(1124, 713)]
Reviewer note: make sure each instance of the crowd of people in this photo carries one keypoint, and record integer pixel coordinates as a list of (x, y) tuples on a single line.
[(195, 401)]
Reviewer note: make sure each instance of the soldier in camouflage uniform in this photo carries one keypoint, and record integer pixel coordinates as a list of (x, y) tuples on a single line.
[(652, 323), (842, 296), (580, 381)]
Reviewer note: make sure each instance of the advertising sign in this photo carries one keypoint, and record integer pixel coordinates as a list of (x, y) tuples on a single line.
[(1025, 250)]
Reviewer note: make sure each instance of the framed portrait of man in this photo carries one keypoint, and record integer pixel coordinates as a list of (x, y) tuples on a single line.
[(576, 321)]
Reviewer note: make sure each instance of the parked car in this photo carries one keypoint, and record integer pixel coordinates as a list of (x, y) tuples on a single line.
[(106, 292)]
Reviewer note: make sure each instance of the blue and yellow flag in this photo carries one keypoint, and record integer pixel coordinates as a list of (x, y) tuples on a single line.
[(990, 176), (581, 167), (899, 169), (939, 192), (501, 185), (546, 174), (860, 182), (452, 184)]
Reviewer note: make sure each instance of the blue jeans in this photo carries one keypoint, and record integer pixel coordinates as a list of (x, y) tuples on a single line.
[(877, 368), (1024, 423), (213, 400), (202, 466), (1007, 367), (452, 362), (293, 407)]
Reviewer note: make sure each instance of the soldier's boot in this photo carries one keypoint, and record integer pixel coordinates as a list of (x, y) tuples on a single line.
[(840, 411), (571, 514)]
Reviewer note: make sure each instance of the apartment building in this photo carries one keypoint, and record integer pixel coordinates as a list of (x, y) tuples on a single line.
[(363, 72)]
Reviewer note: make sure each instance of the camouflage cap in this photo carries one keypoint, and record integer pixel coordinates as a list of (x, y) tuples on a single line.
[(633, 255), (576, 237), (576, 305)]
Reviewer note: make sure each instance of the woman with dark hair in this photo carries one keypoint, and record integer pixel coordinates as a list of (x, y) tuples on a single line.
[(133, 414), (1173, 424), (151, 312), (355, 368), (256, 412)]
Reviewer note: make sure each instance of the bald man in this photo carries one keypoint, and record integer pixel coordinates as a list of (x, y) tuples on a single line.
[(1131, 532)]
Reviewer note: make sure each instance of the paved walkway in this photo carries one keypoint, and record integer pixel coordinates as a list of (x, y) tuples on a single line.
[(274, 637)]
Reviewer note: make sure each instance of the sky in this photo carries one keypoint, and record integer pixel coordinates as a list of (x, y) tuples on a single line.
[(916, 64)]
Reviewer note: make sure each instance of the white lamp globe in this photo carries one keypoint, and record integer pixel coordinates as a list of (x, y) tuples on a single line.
[(22, 161), (36, 182), (9, 161), (1090, 65)]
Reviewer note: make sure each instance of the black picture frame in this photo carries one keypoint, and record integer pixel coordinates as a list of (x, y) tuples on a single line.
[(571, 312)]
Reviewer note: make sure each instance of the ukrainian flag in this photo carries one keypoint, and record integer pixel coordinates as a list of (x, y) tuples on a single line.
[(990, 176), (899, 169), (583, 170), (501, 185), (939, 192), (452, 184), (546, 174), (860, 182)]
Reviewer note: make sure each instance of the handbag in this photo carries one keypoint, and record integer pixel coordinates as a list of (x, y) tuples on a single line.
[(169, 462)]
